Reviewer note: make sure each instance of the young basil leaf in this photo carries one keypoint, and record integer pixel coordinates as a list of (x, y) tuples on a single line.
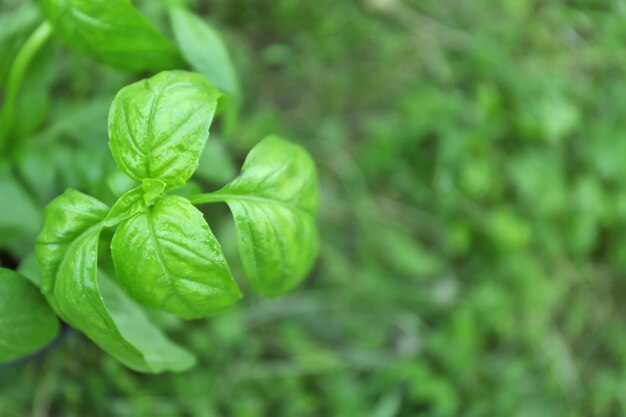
[(204, 49), (168, 258), (113, 32), (274, 202), (159, 126), (152, 189), (68, 253), (125, 207), (26, 321)]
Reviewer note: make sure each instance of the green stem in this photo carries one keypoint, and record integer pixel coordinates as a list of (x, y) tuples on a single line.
[(225, 197), (206, 198), (16, 75)]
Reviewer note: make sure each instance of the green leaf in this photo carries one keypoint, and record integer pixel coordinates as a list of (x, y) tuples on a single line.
[(159, 126), (25, 101), (33, 97), (134, 325), (68, 253), (15, 26), (119, 183), (26, 321), (20, 218), (204, 49), (65, 219), (152, 190), (37, 171), (81, 167), (29, 268), (168, 258), (274, 202), (125, 207), (79, 120), (112, 32)]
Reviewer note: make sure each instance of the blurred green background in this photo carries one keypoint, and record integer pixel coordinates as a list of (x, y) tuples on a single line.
[(472, 158)]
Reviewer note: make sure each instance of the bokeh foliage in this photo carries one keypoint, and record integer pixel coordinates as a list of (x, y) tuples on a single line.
[(472, 157)]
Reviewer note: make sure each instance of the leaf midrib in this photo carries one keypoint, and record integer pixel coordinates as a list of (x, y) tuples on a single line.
[(170, 276)]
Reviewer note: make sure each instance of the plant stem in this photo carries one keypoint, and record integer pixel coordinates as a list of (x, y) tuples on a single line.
[(206, 198), (14, 80)]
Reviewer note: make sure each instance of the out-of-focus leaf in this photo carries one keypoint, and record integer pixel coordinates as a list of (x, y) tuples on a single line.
[(26, 321), (82, 121), (204, 49), (14, 28), (33, 99), (82, 167), (36, 167), (20, 216), (111, 31), (405, 255), (216, 165), (133, 324), (118, 183), (29, 268)]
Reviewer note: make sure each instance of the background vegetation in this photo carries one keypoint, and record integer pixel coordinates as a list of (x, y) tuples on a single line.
[(472, 157)]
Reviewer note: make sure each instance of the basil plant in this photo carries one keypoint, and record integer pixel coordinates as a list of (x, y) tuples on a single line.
[(162, 249)]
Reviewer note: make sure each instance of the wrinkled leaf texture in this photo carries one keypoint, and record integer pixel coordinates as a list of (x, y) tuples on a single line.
[(159, 126), (167, 258), (274, 202)]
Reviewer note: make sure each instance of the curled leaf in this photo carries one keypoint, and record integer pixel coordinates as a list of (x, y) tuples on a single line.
[(274, 201), (68, 253)]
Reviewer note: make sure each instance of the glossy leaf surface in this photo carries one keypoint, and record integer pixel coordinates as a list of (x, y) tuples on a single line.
[(68, 253), (111, 31), (66, 218), (26, 321), (168, 258), (274, 202), (158, 127)]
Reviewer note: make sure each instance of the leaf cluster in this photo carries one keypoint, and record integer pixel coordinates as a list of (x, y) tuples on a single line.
[(163, 253)]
